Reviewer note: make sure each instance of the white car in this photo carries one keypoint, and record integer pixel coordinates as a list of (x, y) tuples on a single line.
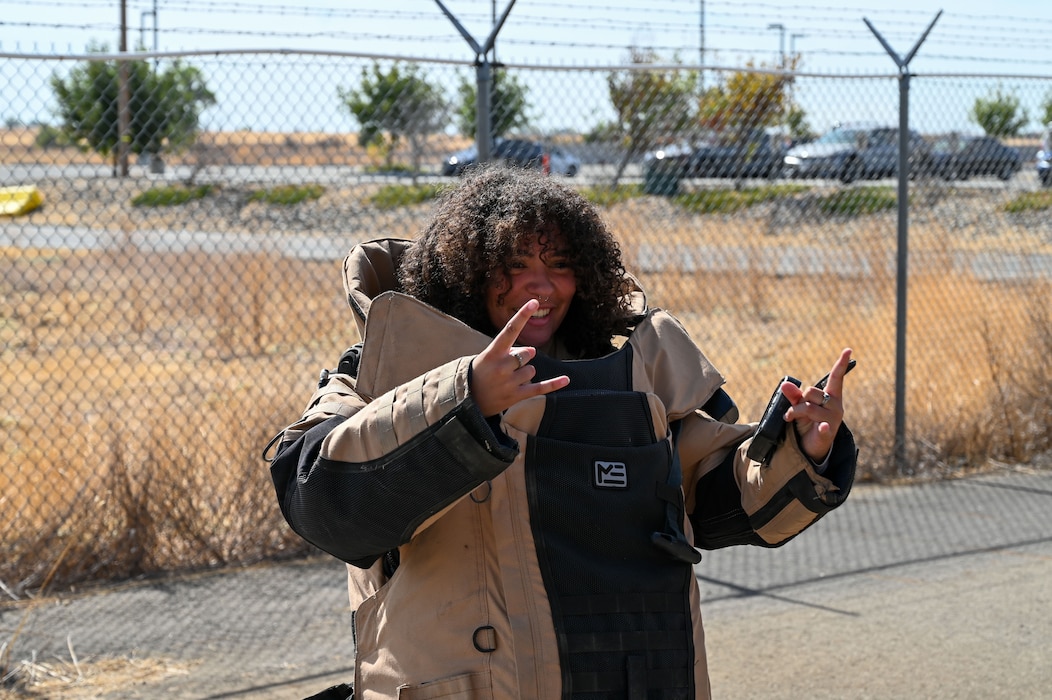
[(563, 162)]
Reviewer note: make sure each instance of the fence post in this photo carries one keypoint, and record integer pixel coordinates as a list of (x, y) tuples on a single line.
[(902, 260), (123, 97), (484, 80)]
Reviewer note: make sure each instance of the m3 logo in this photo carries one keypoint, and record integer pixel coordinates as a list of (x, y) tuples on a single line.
[(611, 475)]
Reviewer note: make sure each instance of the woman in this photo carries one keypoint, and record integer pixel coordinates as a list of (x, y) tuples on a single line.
[(521, 462)]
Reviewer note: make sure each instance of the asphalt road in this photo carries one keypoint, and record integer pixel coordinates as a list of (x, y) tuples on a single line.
[(935, 591), (590, 174)]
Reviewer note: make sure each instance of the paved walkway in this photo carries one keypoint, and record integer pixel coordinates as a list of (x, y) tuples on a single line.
[(932, 591)]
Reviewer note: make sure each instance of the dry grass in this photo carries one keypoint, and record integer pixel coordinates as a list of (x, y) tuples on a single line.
[(84, 679), (234, 148), (142, 387), (176, 379), (138, 410), (973, 345)]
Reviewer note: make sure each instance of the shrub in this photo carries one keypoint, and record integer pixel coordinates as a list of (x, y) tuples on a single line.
[(392, 196), (859, 201), (287, 194), (171, 195)]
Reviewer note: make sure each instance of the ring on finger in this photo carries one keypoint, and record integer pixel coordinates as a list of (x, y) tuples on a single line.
[(825, 398), (519, 355)]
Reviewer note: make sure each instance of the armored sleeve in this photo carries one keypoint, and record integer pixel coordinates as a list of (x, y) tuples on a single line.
[(359, 485), (732, 499)]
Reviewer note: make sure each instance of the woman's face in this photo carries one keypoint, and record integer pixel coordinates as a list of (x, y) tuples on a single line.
[(541, 272)]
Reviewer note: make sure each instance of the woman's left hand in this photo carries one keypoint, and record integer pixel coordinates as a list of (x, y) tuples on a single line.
[(816, 412)]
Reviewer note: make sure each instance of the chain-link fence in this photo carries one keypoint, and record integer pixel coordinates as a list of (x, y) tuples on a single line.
[(173, 231)]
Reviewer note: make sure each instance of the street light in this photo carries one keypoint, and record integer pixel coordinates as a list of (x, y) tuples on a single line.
[(792, 43), (781, 39), (701, 46)]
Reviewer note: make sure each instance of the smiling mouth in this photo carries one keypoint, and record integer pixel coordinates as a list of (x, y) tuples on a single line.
[(541, 313)]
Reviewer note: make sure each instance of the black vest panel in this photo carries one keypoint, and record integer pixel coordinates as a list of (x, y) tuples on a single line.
[(598, 482)]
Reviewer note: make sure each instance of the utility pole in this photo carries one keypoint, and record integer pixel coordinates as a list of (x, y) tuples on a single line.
[(123, 99), (701, 48)]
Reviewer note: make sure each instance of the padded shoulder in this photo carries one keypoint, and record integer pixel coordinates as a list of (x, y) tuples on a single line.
[(669, 362)]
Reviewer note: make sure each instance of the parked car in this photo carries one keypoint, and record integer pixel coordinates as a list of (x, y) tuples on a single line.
[(956, 157), (669, 158), (562, 162), (853, 152), (455, 163), (759, 156), (524, 153), (717, 157), (1044, 158)]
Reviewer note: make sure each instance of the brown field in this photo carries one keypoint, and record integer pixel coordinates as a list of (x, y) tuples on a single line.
[(141, 388), (234, 148)]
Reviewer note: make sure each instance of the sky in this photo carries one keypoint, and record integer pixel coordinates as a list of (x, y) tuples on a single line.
[(1008, 37)]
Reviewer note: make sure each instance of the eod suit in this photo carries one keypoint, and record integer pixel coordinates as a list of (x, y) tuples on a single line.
[(547, 552)]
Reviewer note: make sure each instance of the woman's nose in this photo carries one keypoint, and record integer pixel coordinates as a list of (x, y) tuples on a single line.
[(539, 283)]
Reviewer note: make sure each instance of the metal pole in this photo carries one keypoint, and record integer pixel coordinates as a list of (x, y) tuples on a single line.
[(902, 267), (701, 48), (781, 40), (483, 130), (123, 97), (902, 258), (483, 78)]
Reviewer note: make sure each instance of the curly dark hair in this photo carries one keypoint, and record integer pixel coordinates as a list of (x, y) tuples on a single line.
[(478, 227)]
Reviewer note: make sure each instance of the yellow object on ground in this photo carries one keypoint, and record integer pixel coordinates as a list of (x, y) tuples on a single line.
[(19, 200)]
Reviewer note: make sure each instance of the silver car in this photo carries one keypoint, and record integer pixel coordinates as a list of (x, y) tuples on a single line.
[(851, 153)]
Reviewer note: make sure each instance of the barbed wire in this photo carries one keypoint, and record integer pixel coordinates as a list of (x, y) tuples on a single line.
[(960, 36), (543, 11)]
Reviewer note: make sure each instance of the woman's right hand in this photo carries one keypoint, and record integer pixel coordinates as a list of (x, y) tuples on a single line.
[(500, 375)]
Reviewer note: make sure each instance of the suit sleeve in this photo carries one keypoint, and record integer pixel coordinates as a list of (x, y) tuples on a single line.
[(362, 480), (733, 500)]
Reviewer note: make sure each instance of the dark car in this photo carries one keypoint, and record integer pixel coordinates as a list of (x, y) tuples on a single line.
[(455, 163), (521, 152), (957, 157), (718, 157), (759, 156), (1044, 158), (851, 153)]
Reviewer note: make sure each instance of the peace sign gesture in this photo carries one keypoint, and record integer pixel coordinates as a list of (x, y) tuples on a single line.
[(819, 410), (500, 374)]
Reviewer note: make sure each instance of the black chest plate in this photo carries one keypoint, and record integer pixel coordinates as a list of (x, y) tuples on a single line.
[(599, 483)]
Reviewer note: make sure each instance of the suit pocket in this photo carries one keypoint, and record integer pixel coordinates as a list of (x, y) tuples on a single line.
[(470, 686)]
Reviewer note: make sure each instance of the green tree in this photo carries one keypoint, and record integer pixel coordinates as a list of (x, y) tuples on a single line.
[(999, 114), (746, 101), (508, 105), (165, 106), (796, 120), (395, 103), (1046, 110), (650, 104)]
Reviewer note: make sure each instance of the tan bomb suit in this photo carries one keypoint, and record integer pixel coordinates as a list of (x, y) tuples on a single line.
[(510, 557)]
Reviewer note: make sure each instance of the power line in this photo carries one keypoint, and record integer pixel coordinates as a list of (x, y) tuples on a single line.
[(666, 27)]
